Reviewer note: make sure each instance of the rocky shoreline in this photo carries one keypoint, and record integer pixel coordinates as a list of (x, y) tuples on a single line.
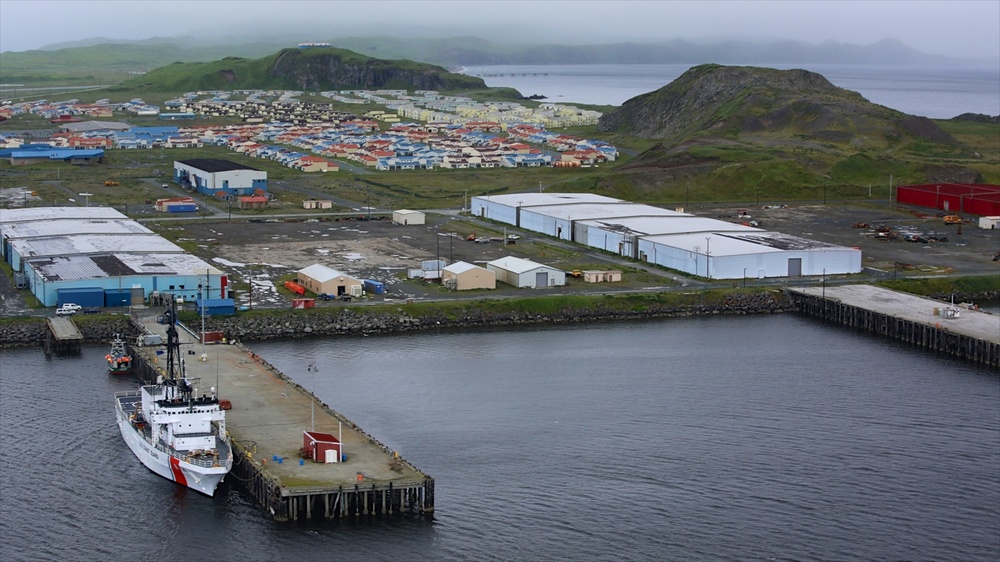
[(357, 321), (364, 321)]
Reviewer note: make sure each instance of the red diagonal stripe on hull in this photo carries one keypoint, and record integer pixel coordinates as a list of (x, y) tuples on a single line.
[(175, 467)]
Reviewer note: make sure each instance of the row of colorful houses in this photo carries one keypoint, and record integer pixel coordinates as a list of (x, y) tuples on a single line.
[(405, 146)]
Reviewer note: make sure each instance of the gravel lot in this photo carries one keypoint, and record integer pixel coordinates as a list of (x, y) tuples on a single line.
[(383, 251)]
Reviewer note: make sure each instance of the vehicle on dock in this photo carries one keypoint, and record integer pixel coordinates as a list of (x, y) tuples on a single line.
[(119, 361), (174, 432)]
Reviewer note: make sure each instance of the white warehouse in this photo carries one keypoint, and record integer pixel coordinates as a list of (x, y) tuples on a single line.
[(524, 273), (694, 245)]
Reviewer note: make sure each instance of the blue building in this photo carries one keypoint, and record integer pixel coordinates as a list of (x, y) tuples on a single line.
[(215, 177)]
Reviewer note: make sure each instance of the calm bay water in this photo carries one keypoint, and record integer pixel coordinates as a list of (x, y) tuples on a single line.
[(939, 92), (769, 437)]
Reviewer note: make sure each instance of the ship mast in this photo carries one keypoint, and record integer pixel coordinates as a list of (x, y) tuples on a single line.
[(173, 343)]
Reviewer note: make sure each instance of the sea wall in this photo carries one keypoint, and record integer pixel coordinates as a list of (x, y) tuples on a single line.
[(360, 320), (356, 320)]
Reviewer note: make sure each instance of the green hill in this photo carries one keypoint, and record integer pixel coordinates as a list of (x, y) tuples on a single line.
[(744, 126), (302, 69)]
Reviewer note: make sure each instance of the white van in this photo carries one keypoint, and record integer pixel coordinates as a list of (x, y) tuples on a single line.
[(64, 311)]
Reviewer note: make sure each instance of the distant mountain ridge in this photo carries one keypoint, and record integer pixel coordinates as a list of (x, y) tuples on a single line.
[(105, 55)]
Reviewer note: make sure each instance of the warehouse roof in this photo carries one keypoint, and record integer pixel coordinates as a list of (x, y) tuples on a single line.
[(66, 227), (740, 243), (460, 267), (212, 165), (534, 199), (93, 244), (603, 210), (678, 224), (88, 126), (516, 265), (78, 267), (321, 273), (50, 213)]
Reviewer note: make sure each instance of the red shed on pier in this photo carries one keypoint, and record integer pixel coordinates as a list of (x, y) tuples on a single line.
[(321, 447)]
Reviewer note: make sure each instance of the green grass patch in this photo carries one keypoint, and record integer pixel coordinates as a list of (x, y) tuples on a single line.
[(946, 285)]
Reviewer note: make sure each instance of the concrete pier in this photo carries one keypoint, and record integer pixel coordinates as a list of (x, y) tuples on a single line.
[(922, 322), (269, 414), (63, 337)]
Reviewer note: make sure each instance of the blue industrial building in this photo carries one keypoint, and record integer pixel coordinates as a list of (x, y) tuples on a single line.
[(216, 177), (96, 256)]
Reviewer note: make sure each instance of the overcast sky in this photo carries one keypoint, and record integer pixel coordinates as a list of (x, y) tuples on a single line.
[(961, 28)]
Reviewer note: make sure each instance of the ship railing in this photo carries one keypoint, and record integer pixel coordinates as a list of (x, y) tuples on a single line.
[(204, 461)]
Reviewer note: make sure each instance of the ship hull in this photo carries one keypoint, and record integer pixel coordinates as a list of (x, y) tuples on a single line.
[(199, 478), (116, 370)]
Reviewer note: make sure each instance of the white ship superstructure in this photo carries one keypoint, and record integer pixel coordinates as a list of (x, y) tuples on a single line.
[(174, 432)]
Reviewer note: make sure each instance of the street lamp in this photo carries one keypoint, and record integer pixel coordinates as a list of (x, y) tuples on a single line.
[(744, 278), (708, 254)]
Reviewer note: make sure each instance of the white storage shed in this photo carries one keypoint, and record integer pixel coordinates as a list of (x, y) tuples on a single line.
[(524, 273), (407, 217)]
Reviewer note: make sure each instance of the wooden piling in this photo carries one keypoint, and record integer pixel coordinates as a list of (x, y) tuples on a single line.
[(905, 318)]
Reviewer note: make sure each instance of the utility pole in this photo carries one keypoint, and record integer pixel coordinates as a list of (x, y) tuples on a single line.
[(708, 254)]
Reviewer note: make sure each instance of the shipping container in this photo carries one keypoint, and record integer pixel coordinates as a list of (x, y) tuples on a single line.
[(216, 307), (117, 297), (374, 287), (183, 208), (303, 303), (83, 296)]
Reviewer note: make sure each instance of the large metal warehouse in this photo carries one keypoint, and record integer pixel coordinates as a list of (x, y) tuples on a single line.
[(102, 254), (695, 245), (181, 275), (212, 176), (524, 273), (505, 208), (736, 255), (621, 235)]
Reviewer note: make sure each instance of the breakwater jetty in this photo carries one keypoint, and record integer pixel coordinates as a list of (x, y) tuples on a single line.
[(267, 420), (928, 324)]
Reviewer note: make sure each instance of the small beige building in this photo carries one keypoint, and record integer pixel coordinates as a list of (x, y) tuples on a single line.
[(462, 276), (322, 279), (408, 217), (317, 204), (599, 276)]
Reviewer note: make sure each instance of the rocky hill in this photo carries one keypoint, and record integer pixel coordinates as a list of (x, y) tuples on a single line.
[(749, 102), (744, 127), (304, 69)]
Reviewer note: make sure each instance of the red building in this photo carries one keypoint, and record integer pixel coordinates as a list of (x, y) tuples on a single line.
[(971, 199), (321, 447)]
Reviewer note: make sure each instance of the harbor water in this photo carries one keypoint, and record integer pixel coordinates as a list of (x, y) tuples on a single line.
[(723, 438), (938, 92)]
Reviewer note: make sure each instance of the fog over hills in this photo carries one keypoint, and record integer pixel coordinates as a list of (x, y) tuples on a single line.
[(470, 50)]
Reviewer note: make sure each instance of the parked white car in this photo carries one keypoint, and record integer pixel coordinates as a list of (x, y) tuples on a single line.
[(72, 306), (63, 311)]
